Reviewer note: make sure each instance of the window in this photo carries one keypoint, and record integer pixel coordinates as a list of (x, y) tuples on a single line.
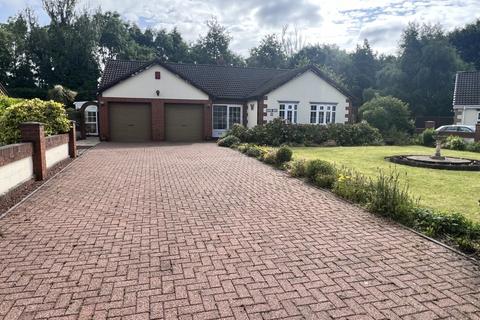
[(288, 112), (322, 114), (220, 117), (313, 114), (224, 117), (91, 122), (91, 116), (478, 118)]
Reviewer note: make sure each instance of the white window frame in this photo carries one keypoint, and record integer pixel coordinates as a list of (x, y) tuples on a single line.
[(92, 109), (216, 133), (285, 108), (324, 113)]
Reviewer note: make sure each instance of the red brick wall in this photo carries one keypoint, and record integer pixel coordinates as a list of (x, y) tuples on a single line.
[(56, 140), (14, 152)]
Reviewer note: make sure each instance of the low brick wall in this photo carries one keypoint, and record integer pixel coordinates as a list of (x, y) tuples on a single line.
[(23, 161), (57, 149), (16, 165)]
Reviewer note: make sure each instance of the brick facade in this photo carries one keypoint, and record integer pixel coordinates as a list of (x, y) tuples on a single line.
[(157, 115), (34, 132)]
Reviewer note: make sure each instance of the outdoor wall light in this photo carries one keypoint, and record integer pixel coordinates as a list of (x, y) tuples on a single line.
[(158, 93)]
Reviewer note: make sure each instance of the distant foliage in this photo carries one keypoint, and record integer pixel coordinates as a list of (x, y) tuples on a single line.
[(51, 114), (390, 116), (455, 143), (428, 137)]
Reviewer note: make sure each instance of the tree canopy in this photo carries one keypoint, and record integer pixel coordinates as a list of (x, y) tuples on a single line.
[(73, 48)]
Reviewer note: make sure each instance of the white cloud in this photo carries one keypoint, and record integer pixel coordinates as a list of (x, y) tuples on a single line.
[(341, 22)]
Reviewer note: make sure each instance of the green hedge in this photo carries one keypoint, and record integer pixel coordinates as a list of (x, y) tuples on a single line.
[(15, 111), (278, 132)]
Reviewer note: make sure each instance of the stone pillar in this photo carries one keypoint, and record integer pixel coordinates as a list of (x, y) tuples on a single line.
[(72, 140), (477, 133), (34, 132), (429, 124)]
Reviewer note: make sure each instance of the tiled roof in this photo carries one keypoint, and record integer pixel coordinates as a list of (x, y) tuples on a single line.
[(467, 88), (221, 82)]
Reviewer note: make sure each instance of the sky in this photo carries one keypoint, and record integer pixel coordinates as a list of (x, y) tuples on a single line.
[(342, 22)]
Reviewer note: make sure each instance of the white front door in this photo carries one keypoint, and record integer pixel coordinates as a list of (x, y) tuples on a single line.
[(224, 117)]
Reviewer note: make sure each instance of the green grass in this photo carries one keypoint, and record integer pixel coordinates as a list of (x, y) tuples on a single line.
[(454, 191)]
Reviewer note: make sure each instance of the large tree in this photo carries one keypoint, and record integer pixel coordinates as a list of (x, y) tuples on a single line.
[(269, 53), (467, 42), (213, 48), (361, 75)]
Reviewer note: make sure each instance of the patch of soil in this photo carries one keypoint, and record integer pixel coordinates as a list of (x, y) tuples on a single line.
[(16, 195)]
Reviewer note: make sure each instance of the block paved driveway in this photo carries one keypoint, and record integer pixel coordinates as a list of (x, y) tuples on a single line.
[(200, 232)]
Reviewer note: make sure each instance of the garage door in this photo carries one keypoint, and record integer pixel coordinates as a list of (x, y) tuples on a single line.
[(183, 123), (130, 122)]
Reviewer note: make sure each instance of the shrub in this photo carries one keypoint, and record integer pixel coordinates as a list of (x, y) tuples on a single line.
[(278, 132), (473, 147), (238, 131), (269, 156), (50, 113), (394, 136), (390, 198), (242, 147), (254, 151), (228, 141), (353, 186), (387, 113), (322, 173), (428, 137), (455, 143), (325, 180), (284, 154), (297, 168)]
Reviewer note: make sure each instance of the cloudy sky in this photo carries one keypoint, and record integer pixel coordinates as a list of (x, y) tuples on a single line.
[(341, 22)]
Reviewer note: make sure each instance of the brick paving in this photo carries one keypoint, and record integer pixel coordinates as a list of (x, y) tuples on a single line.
[(201, 232)]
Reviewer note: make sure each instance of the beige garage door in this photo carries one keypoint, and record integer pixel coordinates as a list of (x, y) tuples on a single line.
[(183, 123), (130, 122)]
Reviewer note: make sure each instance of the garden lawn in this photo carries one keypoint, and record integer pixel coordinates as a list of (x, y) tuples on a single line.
[(445, 190)]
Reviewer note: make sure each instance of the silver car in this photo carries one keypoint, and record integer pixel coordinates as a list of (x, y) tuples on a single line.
[(456, 128)]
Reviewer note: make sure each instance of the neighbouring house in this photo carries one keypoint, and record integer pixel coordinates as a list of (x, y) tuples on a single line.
[(142, 101), (3, 91), (466, 98)]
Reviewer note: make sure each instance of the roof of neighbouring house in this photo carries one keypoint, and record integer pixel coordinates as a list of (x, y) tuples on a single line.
[(467, 88), (221, 82)]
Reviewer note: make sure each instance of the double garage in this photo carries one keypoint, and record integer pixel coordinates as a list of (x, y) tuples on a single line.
[(134, 122)]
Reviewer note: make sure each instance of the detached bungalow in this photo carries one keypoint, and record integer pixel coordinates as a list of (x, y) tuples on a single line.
[(466, 98), (143, 101)]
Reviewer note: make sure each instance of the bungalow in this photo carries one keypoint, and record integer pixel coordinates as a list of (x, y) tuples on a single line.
[(466, 98), (143, 101)]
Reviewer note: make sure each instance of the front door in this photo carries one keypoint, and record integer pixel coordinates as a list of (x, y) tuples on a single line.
[(224, 117)]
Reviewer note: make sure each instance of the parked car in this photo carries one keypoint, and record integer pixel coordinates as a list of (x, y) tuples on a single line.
[(456, 128)]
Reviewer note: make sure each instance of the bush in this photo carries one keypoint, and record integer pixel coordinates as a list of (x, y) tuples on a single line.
[(396, 137), (238, 131), (297, 168), (428, 137), (473, 147), (320, 172), (269, 156), (254, 151), (284, 154), (455, 143), (390, 198), (278, 132), (353, 186), (228, 141), (50, 113), (387, 113), (242, 147)]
